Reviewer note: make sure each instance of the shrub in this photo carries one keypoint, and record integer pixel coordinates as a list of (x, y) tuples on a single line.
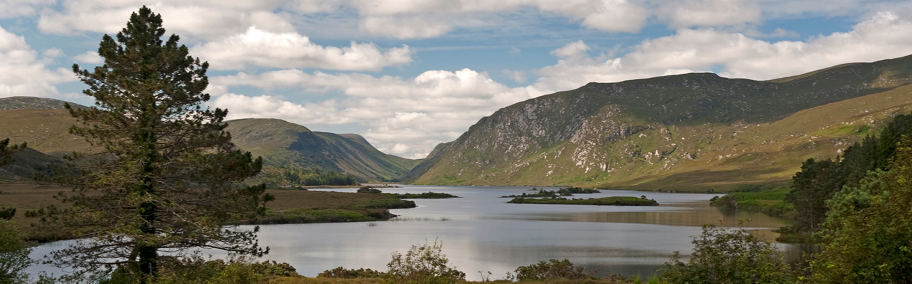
[(7, 213), (195, 269), (340, 272), (422, 264), (728, 256), (14, 254), (552, 269)]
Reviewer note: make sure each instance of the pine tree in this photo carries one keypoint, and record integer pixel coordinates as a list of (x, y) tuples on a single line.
[(169, 176)]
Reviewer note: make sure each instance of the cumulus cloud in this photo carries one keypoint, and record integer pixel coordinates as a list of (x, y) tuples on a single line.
[(19, 8), (257, 47), (881, 36), (405, 117), (709, 13), (89, 57), (426, 19), (23, 73), (199, 18)]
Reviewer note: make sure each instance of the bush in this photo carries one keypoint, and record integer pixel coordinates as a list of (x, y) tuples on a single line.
[(552, 269), (7, 213), (14, 254), (422, 264), (368, 189), (340, 272), (728, 256), (198, 270)]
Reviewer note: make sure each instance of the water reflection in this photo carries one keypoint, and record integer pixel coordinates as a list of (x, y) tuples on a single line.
[(481, 232)]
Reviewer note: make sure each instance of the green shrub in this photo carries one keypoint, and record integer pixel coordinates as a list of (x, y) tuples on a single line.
[(7, 213), (198, 270), (728, 256), (422, 264), (14, 254), (552, 269), (340, 272)]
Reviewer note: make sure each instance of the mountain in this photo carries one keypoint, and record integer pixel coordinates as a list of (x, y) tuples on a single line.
[(44, 125), (27, 164), (692, 132), (283, 144)]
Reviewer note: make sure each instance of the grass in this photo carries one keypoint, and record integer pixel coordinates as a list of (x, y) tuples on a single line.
[(289, 206), (612, 200), (770, 201)]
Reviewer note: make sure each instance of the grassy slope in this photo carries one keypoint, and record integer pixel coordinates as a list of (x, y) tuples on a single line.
[(45, 130), (693, 132), (282, 143)]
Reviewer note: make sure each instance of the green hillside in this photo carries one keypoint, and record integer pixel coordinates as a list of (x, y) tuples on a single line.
[(684, 132), (44, 125), (283, 144)]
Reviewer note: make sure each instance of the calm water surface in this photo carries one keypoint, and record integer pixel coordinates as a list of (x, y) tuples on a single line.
[(480, 232)]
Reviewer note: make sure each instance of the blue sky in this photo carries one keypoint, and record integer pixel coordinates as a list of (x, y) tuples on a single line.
[(410, 74)]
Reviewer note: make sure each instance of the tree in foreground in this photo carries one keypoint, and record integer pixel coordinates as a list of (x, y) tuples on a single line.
[(728, 256), (423, 264), (14, 254), (867, 234), (168, 179)]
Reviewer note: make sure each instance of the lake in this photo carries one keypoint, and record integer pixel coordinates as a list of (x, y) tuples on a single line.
[(480, 232)]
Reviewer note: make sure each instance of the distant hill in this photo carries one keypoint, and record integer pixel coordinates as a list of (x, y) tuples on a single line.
[(34, 103), (44, 125), (693, 131), (282, 143)]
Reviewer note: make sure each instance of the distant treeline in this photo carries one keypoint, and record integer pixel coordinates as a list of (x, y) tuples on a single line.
[(293, 177)]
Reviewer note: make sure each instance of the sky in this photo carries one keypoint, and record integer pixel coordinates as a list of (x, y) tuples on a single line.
[(410, 74)]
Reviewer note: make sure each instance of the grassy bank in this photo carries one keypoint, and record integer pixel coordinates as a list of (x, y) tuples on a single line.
[(425, 195), (289, 206), (770, 201), (612, 200)]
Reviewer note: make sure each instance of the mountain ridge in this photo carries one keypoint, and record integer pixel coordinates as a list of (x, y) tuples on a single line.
[(624, 134)]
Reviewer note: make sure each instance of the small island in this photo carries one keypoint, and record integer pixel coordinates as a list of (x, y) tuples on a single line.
[(567, 191), (612, 200), (425, 195)]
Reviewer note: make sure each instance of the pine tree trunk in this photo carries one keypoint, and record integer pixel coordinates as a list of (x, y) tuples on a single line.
[(148, 252)]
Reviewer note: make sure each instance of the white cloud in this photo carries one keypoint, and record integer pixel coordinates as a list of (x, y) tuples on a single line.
[(199, 18), (427, 19), (883, 35), (405, 117), (19, 8), (709, 13), (89, 57), (256, 47), (23, 73)]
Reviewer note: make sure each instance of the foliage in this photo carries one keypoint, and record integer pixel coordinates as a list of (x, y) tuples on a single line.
[(340, 272), (727, 256), (7, 213), (552, 269), (770, 201), (818, 181), (14, 254), (168, 179), (288, 177), (867, 234), (566, 191), (422, 264), (368, 189), (611, 200), (195, 269)]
